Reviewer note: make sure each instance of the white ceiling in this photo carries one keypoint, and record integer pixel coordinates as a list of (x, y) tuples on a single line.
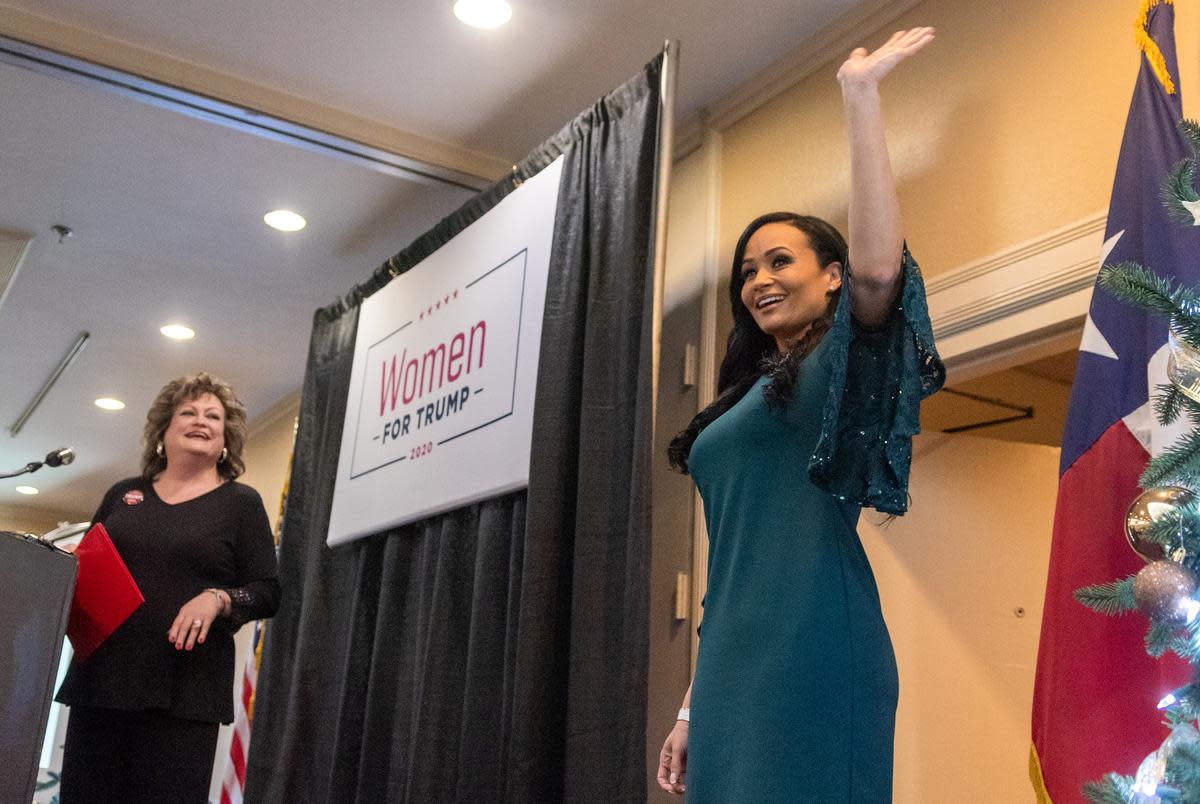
[(167, 208), (412, 65)]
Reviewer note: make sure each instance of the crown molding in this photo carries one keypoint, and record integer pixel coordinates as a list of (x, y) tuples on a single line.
[(1037, 289), (1087, 228)]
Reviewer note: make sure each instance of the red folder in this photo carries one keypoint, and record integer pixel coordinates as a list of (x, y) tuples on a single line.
[(105, 593)]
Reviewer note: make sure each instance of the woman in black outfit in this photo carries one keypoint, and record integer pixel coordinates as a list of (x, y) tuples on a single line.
[(146, 704)]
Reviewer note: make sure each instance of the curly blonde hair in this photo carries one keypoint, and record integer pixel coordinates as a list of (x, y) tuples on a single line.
[(186, 389)]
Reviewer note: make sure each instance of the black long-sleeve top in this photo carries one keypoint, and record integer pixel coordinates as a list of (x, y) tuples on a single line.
[(221, 539)]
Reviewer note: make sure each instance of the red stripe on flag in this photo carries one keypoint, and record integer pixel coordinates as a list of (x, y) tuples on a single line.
[(1096, 690), (237, 754), (234, 781), (247, 690)]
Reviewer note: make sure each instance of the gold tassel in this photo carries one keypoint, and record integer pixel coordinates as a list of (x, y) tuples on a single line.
[(1148, 46)]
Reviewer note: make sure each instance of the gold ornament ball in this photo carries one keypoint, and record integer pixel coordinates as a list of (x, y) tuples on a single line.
[(1159, 589), (1149, 507)]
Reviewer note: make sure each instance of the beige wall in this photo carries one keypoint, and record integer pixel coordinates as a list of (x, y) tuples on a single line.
[(24, 519), (962, 578), (268, 450), (1048, 397), (1006, 128)]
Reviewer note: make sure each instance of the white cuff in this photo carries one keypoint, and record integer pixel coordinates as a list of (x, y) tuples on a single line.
[(685, 715)]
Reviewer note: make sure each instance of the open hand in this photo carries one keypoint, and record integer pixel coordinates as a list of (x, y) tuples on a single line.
[(873, 66), (193, 621)]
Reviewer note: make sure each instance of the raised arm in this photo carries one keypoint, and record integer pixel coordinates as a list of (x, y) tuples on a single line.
[(876, 232)]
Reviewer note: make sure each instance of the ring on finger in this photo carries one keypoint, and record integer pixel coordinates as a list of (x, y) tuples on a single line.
[(197, 623)]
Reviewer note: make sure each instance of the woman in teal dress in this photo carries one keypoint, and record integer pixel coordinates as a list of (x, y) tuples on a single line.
[(794, 696)]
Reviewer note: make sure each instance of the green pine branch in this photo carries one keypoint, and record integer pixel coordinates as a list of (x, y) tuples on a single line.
[(1114, 597), (1190, 130), (1178, 188), (1183, 767), (1183, 526), (1135, 285), (1187, 706), (1141, 288), (1179, 464), (1159, 639), (1167, 529), (1168, 402), (1112, 789), (1186, 649), (1179, 185)]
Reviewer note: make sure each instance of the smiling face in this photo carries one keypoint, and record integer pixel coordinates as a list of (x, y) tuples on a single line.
[(196, 429), (784, 286)]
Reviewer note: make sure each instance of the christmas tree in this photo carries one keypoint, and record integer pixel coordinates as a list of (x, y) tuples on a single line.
[(1163, 523)]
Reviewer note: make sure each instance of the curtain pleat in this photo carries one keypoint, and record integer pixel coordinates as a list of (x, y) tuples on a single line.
[(497, 652)]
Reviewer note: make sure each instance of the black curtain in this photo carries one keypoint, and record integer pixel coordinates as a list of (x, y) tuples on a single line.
[(497, 652)]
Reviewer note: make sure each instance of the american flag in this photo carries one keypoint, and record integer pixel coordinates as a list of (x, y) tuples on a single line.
[(1096, 690), (235, 769), (243, 709)]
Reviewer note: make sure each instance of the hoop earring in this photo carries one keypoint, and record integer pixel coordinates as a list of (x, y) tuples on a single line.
[(224, 455), (158, 450)]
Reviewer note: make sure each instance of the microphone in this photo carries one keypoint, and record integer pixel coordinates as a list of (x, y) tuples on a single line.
[(60, 457)]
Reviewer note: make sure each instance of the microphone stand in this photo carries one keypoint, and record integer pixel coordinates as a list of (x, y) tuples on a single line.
[(26, 469), (58, 457)]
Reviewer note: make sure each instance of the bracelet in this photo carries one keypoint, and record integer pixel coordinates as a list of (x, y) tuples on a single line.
[(220, 600), (685, 714)]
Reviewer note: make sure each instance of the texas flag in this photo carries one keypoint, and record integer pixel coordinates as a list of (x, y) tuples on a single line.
[(1096, 690)]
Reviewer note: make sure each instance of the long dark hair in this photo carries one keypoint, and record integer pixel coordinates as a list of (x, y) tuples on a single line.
[(751, 353)]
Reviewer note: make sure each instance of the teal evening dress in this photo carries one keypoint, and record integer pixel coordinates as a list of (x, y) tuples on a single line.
[(794, 696)]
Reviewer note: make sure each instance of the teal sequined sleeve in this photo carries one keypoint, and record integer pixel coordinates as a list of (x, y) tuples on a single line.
[(877, 381)]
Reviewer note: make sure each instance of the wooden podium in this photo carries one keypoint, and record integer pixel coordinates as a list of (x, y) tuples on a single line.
[(36, 584)]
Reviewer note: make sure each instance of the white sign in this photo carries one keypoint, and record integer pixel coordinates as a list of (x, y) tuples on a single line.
[(439, 412)]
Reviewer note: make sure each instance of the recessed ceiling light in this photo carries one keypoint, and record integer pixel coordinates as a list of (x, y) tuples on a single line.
[(178, 332), (284, 220), (108, 403), (483, 13), (26, 490)]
